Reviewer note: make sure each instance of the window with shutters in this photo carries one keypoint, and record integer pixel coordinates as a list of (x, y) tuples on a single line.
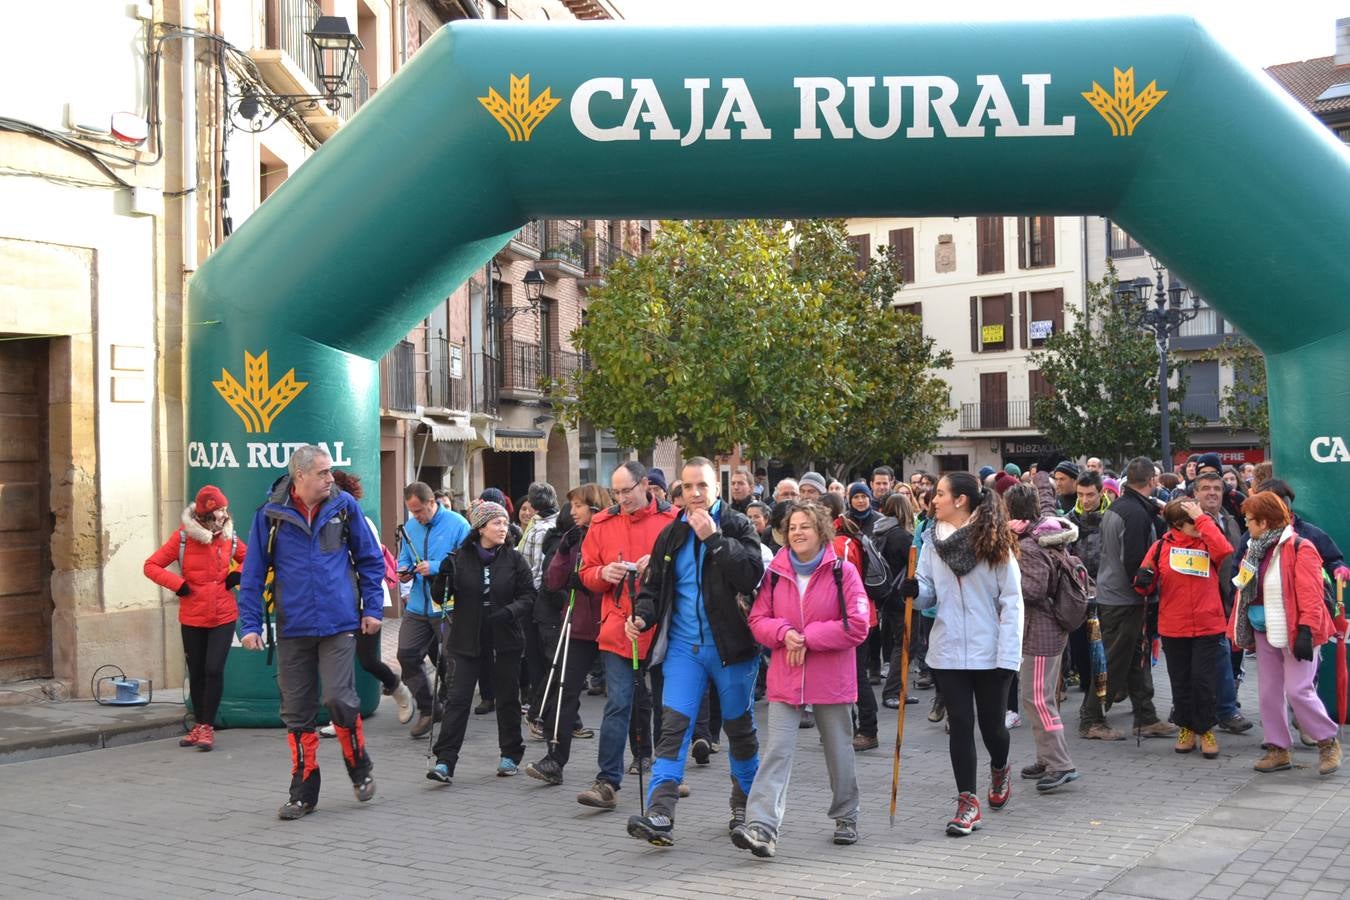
[(910, 309), (989, 245), (902, 248), (993, 400), (1035, 242), (1038, 385), (862, 250), (991, 323), (1042, 314)]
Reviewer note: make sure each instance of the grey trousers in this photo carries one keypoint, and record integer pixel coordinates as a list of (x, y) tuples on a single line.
[(768, 795), (302, 663), (1038, 683)]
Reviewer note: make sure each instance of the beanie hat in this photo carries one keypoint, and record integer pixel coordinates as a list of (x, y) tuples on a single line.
[(485, 512), (1209, 461), (1002, 482), (816, 480), (985, 472), (1013, 469), (1068, 468), (657, 478), (1111, 486), (210, 499), (859, 487), (492, 495)]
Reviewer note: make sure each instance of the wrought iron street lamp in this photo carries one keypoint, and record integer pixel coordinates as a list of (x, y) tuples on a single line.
[(335, 48), (533, 283)]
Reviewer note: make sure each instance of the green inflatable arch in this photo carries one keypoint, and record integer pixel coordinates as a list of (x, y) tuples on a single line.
[(1145, 120)]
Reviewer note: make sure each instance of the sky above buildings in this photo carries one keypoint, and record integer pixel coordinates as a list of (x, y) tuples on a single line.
[(1258, 34)]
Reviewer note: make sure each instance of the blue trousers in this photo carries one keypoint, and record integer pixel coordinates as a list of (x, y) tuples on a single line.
[(1225, 686), (688, 669)]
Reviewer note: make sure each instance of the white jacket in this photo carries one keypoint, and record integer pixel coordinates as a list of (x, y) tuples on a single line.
[(979, 615)]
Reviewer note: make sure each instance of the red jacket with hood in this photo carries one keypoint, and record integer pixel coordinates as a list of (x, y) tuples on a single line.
[(206, 562), (613, 534), (1190, 605)]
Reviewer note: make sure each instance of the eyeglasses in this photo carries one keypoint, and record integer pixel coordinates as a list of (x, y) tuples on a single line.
[(628, 491)]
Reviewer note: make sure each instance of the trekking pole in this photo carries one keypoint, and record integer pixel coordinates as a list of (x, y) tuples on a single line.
[(442, 663), (904, 689), (637, 684), (564, 641)]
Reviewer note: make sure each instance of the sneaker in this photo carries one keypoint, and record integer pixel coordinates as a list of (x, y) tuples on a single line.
[(845, 832), (1209, 745), (404, 698), (646, 763), (911, 701), (1012, 720), (190, 739), (755, 839), (546, 770), (714, 747), (537, 731), (1328, 756), (485, 707), (1052, 780), (1101, 732), (600, 795), (863, 742), (1276, 759), (594, 687), (1236, 724), (891, 703), (654, 828), (206, 739), (507, 767), (1158, 730), (808, 720), (1000, 787), (329, 730), (701, 750), (938, 709), (439, 772), (967, 818), (294, 809), (422, 727), (364, 789), (1185, 741), (924, 681), (583, 733), (737, 818), (1035, 770)]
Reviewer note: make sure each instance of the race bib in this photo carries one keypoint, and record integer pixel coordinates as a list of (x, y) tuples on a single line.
[(1246, 572), (1189, 562)]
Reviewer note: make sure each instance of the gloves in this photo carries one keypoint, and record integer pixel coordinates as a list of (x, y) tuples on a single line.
[(232, 580), (1303, 646), (184, 590), (499, 616), (909, 588)]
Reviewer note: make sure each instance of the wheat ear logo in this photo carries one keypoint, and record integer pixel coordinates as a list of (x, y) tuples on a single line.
[(257, 402), (522, 114), (1125, 109)]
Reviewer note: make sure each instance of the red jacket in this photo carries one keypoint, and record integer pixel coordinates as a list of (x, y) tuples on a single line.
[(613, 534), (849, 548), (1301, 584), (206, 562), (1189, 604)]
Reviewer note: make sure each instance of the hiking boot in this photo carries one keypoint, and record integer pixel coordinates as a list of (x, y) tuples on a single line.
[(645, 762), (422, 727), (654, 828), (1101, 732), (1185, 741), (1328, 756), (1000, 786), (439, 772), (863, 742), (967, 818), (1236, 724), (507, 767), (737, 818), (938, 709), (599, 795), (1209, 745), (206, 738), (1158, 730), (364, 789), (1276, 760), (1036, 770), (845, 832), (582, 732), (1052, 780), (295, 809), (546, 770), (756, 839), (484, 707), (701, 750), (190, 739), (924, 681), (404, 699), (737, 802)]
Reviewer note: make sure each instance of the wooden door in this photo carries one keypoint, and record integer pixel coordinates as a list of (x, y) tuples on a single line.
[(993, 400), (25, 520)]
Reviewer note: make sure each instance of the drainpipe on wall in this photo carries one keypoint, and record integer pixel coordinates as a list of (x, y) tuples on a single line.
[(189, 87)]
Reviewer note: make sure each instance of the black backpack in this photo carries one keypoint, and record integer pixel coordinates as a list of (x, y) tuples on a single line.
[(878, 580)]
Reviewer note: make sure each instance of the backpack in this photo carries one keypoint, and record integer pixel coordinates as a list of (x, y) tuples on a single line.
[(1071, 589), (390, 573), (838, 586), (1328, 586), (878, 580)]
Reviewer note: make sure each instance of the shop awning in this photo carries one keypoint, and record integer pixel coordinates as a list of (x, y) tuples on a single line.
[(450, 432)]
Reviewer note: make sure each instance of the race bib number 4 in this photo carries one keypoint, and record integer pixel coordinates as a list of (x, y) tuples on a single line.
[(1189, 562)]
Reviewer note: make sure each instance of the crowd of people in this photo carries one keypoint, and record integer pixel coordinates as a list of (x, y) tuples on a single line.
[(686, 608)]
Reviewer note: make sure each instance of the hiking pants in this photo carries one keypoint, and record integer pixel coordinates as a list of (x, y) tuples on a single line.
[(503, 669), (768, 795), (1039, 687), (867, 698), (1279, 675), (1128, 669), (369, 653), (419, 636), (580, 657), (304, 662)]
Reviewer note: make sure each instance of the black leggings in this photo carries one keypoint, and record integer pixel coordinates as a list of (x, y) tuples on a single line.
[(369, 655), (206, 650), (969, 693)]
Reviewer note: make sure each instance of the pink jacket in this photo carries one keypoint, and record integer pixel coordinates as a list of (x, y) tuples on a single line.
[(830, 673)]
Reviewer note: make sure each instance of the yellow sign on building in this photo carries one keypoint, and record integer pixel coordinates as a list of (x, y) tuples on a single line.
[(991, 334)]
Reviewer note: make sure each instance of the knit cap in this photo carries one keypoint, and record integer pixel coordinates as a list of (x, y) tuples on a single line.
[(485, 512)]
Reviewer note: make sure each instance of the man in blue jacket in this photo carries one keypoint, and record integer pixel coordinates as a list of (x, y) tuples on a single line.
[(326, 569), (431, 533)]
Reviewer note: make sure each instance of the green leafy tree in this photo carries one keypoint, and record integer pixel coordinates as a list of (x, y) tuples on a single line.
[(1244, 401), (758, 333), (1104, 371)]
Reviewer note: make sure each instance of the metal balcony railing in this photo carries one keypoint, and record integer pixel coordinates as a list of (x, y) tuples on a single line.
[(522, 366), (604, 255), (994, 416), (398, 386), (532, 235), (486, 386), (444, 389), (359, 86), (562, 241)]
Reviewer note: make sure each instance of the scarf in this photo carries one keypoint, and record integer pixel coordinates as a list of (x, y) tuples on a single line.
[(1258, 548), (805, 568), (861, 518), (486, 556), (957, 550)]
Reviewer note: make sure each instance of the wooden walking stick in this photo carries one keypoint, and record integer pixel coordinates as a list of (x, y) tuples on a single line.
[(904, 687)]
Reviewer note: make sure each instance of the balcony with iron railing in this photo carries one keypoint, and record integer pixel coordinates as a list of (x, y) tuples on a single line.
[(563, 252), (288, 65), (485, 387), (447, 382), (526, 244), (600, 258), (1009, 415), (561, 370), (398, 381), (522, 368)]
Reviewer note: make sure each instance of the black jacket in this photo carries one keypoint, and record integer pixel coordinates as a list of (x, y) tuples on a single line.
[(511, 589), (894, 541), (733, 566)]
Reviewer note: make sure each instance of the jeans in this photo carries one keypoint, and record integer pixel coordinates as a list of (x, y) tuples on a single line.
[(1225, 685), (620, 715)]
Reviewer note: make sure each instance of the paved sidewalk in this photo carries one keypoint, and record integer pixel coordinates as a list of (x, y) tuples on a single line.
[(156, 820)]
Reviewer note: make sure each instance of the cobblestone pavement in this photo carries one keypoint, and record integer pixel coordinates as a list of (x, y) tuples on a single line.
[(155, 820)]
